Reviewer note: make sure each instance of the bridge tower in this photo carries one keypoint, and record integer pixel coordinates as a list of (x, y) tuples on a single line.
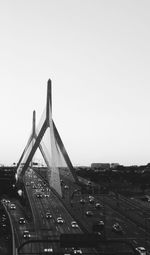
[(57, 146)]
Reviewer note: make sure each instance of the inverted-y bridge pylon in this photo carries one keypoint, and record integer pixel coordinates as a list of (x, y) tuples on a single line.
[(56, 147)]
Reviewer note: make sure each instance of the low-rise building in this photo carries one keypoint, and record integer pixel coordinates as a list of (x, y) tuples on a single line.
[(100, 166)]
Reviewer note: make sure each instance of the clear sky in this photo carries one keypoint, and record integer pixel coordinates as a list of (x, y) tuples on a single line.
[(97, 54)]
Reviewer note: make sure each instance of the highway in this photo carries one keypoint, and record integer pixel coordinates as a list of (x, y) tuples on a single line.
[(45, 229), (132, 215), (43, 201)]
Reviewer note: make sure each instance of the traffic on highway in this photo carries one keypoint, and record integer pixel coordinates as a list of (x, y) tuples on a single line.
[(77, 214)]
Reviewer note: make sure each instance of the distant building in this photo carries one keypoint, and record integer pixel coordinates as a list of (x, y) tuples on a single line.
[(100, 166), (114, 165)]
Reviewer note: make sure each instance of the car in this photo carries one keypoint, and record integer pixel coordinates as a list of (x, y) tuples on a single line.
[(26, 234), (89, 213), (12, 207), (7, 201), (66, 187), (39, 195), (77, 251), (4, 217), (98, 226), (67, 252), (22, 220), (46, 195), (98, 206), (91, 200), (91, 197), (141, 250), (100, 222), (89, 183), (60, 220), (99, 233), (48, 250), (3, 225), (82, 201), (117, 228), (4, 200), (48, 215), (74, 224)]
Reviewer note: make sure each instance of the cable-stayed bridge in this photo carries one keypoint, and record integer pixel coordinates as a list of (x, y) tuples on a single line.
[(43, 232), (52, 154)]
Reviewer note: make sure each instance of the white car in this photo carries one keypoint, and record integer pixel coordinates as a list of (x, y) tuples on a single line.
[(12, 207), (141, 250), (74, 224), (60, 220)]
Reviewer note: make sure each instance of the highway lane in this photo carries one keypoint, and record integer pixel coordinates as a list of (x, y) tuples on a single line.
[(133, 215), (111, 215), (15, 215), (131, 229), (54, 205), (106, 213)]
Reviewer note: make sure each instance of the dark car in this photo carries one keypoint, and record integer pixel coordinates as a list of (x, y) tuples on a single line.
[(89, 213), (26, 234), (39, 195), (22, 220), (98, 206), (91, 200), (117, 228), (98, 226), (82, 201), (48, 215)]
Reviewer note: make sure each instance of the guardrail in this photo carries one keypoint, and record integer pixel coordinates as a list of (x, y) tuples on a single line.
[(14, 250), (81, 240)]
